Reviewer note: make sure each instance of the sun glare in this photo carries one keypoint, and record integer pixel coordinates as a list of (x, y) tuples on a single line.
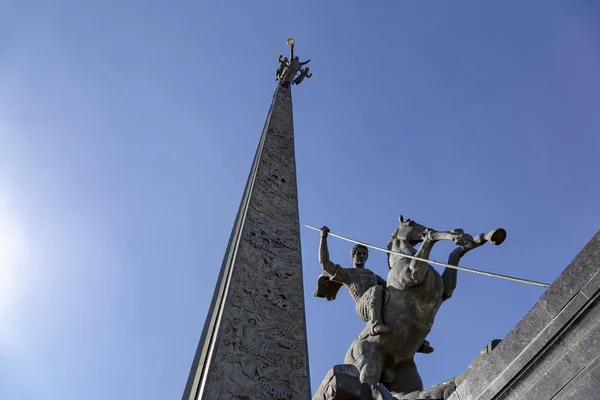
[(12, 252)]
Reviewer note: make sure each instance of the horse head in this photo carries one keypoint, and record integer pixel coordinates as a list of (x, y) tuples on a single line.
[(408, 231)]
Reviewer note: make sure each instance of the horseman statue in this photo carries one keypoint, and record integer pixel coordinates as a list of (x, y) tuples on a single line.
[(399, 312), (290, 71)]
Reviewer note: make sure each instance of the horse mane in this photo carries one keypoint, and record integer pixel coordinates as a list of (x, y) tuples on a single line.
[(390, 244)]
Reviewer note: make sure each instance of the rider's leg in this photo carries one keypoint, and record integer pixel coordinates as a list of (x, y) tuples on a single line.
[(377, 326), (369, 308)]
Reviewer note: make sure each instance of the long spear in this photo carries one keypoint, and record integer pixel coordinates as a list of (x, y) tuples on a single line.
[(475, 271)]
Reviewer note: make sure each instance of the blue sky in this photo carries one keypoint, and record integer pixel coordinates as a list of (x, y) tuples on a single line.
[(127, 130)]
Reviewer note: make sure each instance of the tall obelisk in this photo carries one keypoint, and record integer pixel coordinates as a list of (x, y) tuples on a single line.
[(253, 345)]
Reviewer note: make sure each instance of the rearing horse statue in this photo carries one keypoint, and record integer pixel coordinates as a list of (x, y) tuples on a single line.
[(414, 293)]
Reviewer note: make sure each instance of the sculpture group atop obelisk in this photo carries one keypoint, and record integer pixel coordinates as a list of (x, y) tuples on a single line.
[(290, 70)]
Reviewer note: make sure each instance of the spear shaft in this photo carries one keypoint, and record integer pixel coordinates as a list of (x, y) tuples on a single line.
[(441, 264)]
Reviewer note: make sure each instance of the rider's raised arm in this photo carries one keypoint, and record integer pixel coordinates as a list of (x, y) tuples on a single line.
[(336, 272)]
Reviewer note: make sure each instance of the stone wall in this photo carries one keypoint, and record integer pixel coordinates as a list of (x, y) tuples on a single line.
[(554, 351)]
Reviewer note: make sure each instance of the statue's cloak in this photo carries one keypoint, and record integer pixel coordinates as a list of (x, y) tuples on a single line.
[(326, 287)]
